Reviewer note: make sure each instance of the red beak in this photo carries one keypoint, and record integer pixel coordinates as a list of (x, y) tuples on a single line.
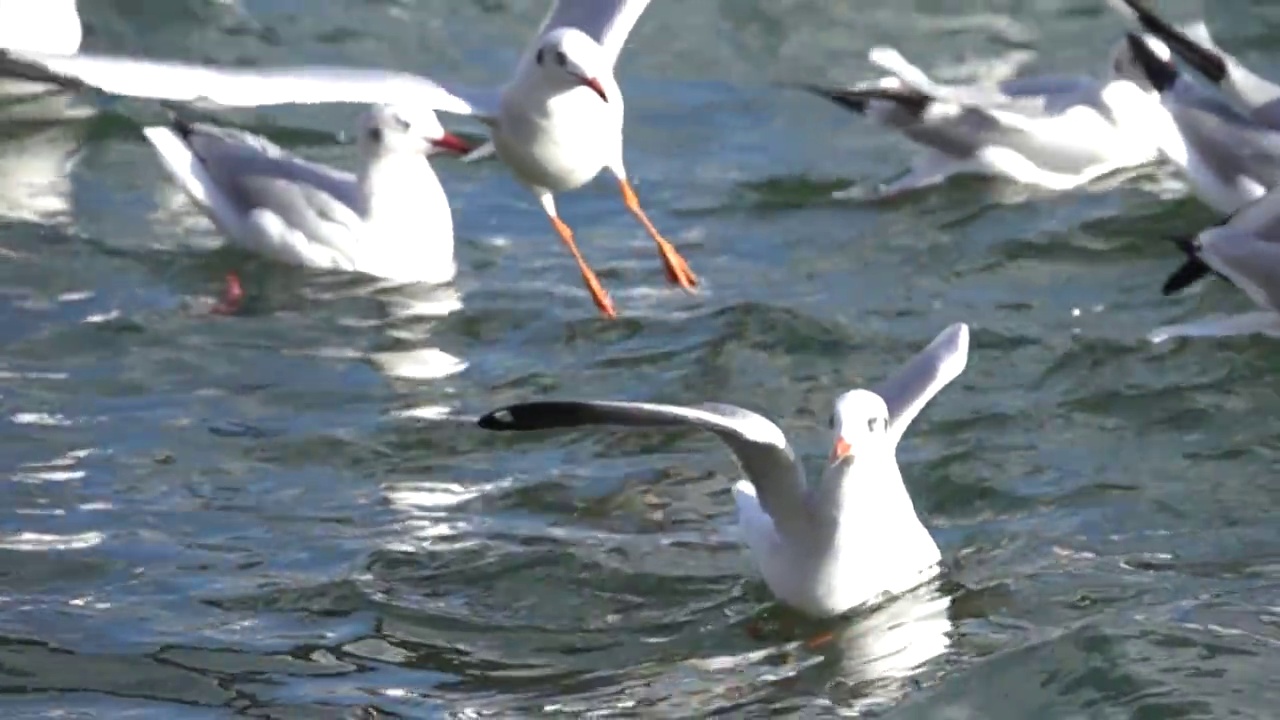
[(452, 143), (595, 85), (840, 451)]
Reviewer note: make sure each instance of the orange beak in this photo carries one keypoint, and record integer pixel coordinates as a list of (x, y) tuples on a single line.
[(452, 143), (841, 451), (595, 85)]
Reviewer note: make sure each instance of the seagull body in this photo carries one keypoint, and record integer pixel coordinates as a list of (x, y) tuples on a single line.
[(1229, 159), (391, 219), (1245, 250), (852, 537), (1258, 97), (556, 123), (1056, 132)]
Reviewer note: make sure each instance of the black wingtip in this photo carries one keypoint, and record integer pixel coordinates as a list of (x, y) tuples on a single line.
[(857, 98), (1205, 61), (1190, 272), (843, 97), (1161, 73), (542, 415)]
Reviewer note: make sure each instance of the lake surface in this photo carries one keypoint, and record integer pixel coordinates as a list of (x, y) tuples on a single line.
[(288, 514)]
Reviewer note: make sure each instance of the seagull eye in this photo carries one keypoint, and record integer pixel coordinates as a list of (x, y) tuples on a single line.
[(560, 58), (401, 123), (871, 424), (831, 423)]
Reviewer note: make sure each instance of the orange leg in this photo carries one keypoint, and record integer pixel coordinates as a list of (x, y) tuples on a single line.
[(678, 271), (598, 294), (232, 297)]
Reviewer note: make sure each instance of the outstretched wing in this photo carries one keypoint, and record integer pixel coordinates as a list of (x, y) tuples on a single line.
[(756, 442), (195, 83), (914, 385), (608, 22)]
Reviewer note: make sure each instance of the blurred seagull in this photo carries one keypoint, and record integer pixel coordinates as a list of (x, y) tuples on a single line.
[(1244, 249), (1258, 97), (849, 539), (1229, 159), (1056, 132)]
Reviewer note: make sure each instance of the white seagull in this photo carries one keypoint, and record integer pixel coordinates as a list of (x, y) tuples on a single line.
[(390, 219), (1229, 159), (1257, 96), (556, 123), (849, 539), (1244, 249), (1056, 131)]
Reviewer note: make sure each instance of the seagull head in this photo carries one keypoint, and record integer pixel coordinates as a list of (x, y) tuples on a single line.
[(388, 130), (569, 58), (859, 428)]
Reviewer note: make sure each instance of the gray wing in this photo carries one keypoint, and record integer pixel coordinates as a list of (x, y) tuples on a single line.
[(1230, 146), (954, 130), (962, 129), (1250, 261), (256, 173), (914, 385), (1260, 217), (758, 445), (608, 22), (243, 86)]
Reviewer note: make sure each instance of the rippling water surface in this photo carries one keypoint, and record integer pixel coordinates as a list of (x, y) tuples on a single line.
[(288, 514)]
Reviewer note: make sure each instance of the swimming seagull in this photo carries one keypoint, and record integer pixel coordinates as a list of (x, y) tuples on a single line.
[(824, 548), (1244, 249), (556, 123), (1229, 159), (1259, 97), (1056, 132), (390, 219)]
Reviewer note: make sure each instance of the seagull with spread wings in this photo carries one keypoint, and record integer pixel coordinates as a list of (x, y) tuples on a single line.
[(852, 537)]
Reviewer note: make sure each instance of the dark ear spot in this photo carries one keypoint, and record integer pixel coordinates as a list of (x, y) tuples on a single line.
[(538, 58), (375, 135)]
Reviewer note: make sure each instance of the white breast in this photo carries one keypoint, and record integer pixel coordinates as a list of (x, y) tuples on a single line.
[(560, 143)]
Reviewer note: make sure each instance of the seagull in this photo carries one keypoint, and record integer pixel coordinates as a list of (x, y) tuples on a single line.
[(390, 219), (850, 539), (1229, 159), (556, 123), (1056, 132), (1245, 250), (47, 26), (1259, 97)]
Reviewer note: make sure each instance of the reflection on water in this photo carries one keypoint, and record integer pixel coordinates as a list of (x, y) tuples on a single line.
[(35, 166), (868, 660), (408, 317)]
